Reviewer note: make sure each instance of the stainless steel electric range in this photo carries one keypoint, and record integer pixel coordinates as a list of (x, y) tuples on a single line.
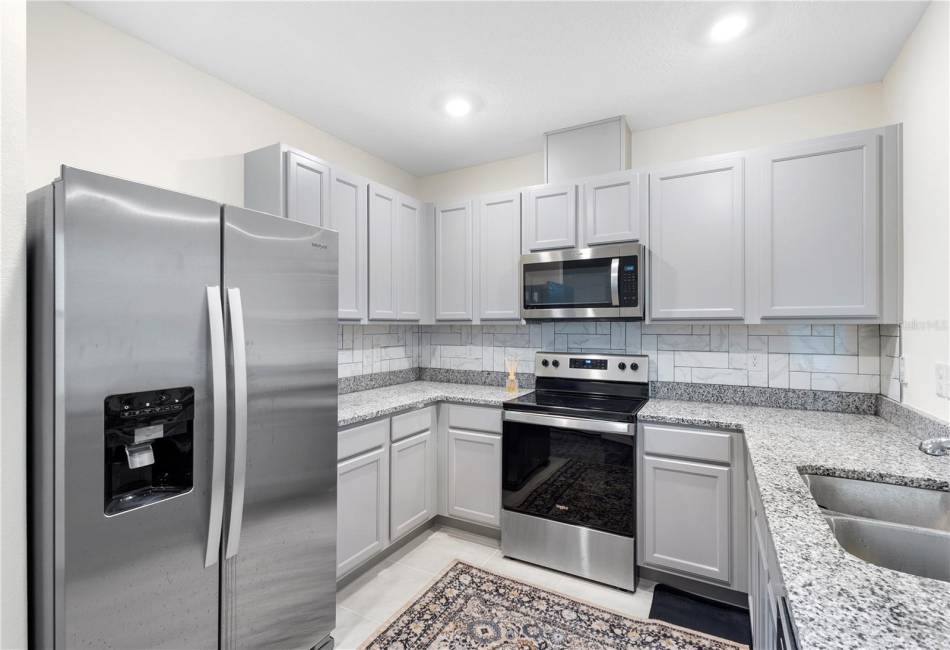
[(568, 466)]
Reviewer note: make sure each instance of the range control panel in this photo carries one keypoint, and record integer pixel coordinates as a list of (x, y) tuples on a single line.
[(606, 367)]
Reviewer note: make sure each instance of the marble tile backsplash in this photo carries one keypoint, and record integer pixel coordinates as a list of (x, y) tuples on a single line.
[(849, 358)]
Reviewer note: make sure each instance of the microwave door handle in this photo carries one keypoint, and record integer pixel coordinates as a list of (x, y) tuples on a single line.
[(615, 282), (219, 423)]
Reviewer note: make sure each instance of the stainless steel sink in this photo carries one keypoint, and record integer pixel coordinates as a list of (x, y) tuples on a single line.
[(902, 528)]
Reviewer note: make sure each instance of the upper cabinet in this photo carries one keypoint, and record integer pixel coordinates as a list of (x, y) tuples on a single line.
[(453, 261), (406, 258), (818, 221), (498, 243), (383, 209), (697, 240), (549, 218), (613, 207), (395, 229), (308, 189), (348, 217)]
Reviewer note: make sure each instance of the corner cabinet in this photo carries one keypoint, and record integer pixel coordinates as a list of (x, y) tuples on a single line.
[(818, 221), (413, 472), (613, 207), (697, 240), (453, 261), (549, 218), (348, 216), (394, 274), (498, 255)]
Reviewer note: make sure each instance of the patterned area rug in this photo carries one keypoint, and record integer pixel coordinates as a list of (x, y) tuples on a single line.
[(467, 607)]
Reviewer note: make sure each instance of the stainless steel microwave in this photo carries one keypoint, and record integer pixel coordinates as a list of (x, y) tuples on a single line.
[(602, 282)]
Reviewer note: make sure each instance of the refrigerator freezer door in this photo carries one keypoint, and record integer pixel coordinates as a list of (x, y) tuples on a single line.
[(279, 589), (131, 264)]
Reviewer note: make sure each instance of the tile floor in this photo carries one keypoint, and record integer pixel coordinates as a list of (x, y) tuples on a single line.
[(370, 600)]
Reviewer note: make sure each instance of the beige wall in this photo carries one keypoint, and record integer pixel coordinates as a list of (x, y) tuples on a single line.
[(12, 325), (102, 100), (849, 109), (917, 93)]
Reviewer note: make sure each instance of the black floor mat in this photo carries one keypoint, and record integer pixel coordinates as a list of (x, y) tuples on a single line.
[(701, 614)]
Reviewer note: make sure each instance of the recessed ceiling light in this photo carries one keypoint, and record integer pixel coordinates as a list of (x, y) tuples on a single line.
[(728, 28), (458, 106)]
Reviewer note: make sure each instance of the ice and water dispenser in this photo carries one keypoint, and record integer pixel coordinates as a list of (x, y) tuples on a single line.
[(149, 447)]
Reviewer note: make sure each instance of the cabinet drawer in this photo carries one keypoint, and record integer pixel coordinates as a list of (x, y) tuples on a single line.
[(362, 438), (713, 446), (406, 424), (475, 418)]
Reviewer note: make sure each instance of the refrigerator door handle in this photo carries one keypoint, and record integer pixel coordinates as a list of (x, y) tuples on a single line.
[(239, 466), (219, 423)]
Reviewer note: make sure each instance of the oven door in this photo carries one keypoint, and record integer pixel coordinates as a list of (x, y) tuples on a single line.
[(570, 470), (571, 284)]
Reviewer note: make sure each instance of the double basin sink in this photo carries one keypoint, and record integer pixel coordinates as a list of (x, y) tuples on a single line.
[(899, 527)]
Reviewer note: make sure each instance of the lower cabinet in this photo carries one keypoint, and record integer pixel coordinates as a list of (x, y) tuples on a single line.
[(687, 516), (474, 476), (770, 629), (691, 505), (413, 477), (362, 498)]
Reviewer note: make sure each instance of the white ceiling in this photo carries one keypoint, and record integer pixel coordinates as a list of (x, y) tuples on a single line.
[(373, 73)]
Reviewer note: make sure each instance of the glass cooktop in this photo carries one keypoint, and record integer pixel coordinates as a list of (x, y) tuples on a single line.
[(601, 407)]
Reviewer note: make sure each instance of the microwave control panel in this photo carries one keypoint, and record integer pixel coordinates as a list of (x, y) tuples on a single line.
[(629, 273)]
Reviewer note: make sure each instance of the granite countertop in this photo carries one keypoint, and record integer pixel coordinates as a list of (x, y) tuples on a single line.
[(836, 599), (377, 402)]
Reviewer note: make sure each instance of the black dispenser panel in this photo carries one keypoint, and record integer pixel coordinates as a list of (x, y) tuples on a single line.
[(149, 447)]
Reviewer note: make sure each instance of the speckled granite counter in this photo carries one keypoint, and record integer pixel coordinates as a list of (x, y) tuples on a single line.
[(837, 600), (369, 404)]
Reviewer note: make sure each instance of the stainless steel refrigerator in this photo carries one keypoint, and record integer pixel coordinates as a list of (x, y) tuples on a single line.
[(182, 421)]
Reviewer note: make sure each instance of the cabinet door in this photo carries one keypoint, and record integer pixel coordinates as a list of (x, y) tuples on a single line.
[(406, 258), (613, 207), (308, 189), (453, 261), (362, 506), (818, 221), (383, 205), (412, 492), (687, 517), (348, 217), (697, 214), (549, 218), (474, 476), (498, 257)]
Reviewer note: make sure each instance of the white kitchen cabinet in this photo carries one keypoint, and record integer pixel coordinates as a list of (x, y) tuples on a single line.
[(413, 482), (308, 189), (697, 243), (406, 258), (453, 261), (687, 517), (818, 222), (498, 256), (362, 508), (549, 217), (474, 476), (613, 207), (348, 216), (383, 229)]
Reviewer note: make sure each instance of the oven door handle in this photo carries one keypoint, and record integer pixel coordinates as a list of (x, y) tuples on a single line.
[(615, 282), (577, 424)]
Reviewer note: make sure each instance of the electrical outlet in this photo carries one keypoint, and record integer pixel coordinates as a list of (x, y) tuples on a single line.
[(756, 361), (943, 380), (902, 372)]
